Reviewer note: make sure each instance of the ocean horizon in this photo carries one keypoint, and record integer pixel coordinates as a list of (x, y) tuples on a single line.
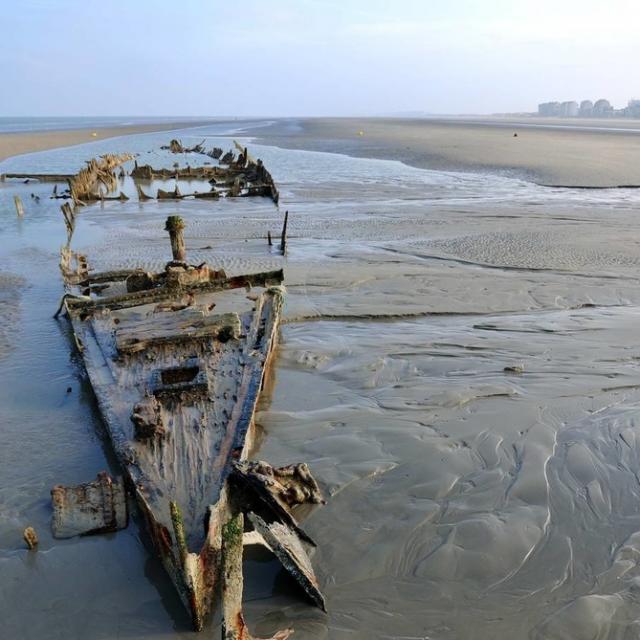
[(24, 124)]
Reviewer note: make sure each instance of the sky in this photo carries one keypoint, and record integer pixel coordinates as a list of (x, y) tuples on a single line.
[(313, 57)]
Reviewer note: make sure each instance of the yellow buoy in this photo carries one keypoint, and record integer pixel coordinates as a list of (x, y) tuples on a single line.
[(360, 133), (94, 135)]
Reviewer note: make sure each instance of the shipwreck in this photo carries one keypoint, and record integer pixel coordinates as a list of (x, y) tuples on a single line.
[(177, 360)]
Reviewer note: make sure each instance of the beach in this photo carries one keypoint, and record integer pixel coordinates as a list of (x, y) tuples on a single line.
[(569, 152), (14, 144), (457, 366)]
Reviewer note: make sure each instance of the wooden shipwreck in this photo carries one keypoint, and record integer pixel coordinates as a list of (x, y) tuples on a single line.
[(177, 360)]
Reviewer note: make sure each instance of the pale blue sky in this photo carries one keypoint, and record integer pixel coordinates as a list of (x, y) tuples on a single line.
[(312, 57)]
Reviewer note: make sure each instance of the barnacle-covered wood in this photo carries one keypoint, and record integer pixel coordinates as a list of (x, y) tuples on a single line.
[(95, 507)]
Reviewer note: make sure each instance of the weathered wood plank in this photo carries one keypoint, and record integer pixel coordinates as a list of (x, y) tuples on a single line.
[(142, 335), (287, 547), (160, 294)]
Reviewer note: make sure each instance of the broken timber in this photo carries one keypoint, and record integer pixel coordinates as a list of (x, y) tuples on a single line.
[(283, 236), (19, 206), (86, 185)]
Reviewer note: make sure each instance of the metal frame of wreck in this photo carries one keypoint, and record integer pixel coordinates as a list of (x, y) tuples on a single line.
[(251, 490)]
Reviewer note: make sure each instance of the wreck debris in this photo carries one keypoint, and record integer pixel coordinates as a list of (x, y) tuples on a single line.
[(241, 177), (73, 266), (84, 187), (142, 196), (287, 547), (95, 507), (175, 146), (39, 177), (515, 368), (31, 538), (291, 485), (178, 386), (69, 219), (233, 625), (260, 496), (243, 159), (147, 419), (175, 226), (169, 195), (173, 283), (19, 206), (227, 158), (283, 235)]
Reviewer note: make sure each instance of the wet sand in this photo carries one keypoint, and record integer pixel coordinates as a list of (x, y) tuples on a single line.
[(552, 152), (14, 144), (458, 366)]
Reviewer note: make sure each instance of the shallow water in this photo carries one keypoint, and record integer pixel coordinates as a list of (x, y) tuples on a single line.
[(464, 501)]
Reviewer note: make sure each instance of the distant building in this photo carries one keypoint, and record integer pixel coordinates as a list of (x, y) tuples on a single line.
[(633, 109), (549, 109), (602, 108), (586, 109), (569, 109)]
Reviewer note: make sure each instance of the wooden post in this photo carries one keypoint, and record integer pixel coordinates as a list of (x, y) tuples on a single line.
[(283, 237), (175, 227), (19, 207), (233, 625), (269, 238)]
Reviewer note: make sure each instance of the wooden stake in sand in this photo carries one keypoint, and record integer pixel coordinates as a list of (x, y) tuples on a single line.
[(270, 242), (19, 206), (283, 237), (175, 227)]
